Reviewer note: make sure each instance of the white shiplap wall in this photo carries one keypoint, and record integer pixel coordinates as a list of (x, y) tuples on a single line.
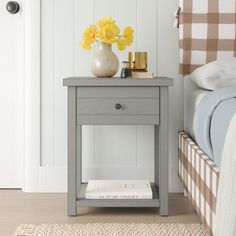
[(108, 151)]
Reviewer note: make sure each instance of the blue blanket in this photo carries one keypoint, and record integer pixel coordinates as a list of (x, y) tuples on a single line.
[(212, 119)]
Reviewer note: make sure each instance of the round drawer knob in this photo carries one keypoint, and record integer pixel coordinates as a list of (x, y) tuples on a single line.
[(118, 106), (13, 7)]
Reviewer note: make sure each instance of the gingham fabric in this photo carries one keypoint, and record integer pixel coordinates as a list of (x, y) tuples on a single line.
[(200, 177), (207, 32)]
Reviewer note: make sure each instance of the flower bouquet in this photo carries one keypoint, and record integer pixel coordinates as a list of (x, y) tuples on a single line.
[(106, 32)]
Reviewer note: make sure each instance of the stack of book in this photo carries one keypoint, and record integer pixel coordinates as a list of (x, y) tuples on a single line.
[(142, 74), (118, 189)]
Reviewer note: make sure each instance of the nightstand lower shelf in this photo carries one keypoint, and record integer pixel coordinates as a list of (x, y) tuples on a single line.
[(83, 202)]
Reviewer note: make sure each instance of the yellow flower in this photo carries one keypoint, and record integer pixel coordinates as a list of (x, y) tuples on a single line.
[(90, 34), (121, 43), (106, 30), (128, 34), (105, 21), (85, 45), (108, 33)]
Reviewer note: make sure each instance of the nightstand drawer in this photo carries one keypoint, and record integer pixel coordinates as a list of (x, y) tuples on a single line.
[(117, 106)]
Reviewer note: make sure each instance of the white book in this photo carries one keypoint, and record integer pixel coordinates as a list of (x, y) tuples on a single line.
[(118, 189)]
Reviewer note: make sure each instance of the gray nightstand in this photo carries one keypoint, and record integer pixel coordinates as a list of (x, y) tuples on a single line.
[(116, 101)]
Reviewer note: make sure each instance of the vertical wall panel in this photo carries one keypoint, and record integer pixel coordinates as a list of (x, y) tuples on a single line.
[(83, 17), (145, 146), (47, 82), (63, 67), (88, 152), (168, 52), (115, 146), (147, 31)]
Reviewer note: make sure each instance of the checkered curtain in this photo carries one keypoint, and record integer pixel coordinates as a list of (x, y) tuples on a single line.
[(207, 32)]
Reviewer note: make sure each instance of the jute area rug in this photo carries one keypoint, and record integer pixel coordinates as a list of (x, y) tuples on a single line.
[(98, 229)]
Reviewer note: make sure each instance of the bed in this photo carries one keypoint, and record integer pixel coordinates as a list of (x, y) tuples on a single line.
[(197, 172), (207, 33)]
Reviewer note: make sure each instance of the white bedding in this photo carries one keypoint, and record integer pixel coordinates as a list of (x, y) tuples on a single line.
[(192, 97), (216, 75), (225, 221)]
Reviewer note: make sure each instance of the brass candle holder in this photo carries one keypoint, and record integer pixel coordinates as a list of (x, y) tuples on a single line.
[(138, 60)]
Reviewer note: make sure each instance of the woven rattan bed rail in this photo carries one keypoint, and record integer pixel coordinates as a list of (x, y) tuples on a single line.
[(200, 177)]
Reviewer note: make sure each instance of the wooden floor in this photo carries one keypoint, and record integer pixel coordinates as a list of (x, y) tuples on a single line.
[(17, 208)]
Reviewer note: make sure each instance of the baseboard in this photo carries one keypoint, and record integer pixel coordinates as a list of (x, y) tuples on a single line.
[(54, 179)]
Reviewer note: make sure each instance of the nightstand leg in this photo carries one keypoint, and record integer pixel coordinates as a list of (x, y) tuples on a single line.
[(72, 152), (163, 151), (156, 152), (79, 158)]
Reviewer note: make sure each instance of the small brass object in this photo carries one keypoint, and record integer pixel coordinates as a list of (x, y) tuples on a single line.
[(138, 60)]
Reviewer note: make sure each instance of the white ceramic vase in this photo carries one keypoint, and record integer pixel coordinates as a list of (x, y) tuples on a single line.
[(105, 62)]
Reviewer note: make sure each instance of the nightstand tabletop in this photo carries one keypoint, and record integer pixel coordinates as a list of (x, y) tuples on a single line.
[(116, 81)]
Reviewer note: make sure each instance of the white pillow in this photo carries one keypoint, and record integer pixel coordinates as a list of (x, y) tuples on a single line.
[(216, 75)]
